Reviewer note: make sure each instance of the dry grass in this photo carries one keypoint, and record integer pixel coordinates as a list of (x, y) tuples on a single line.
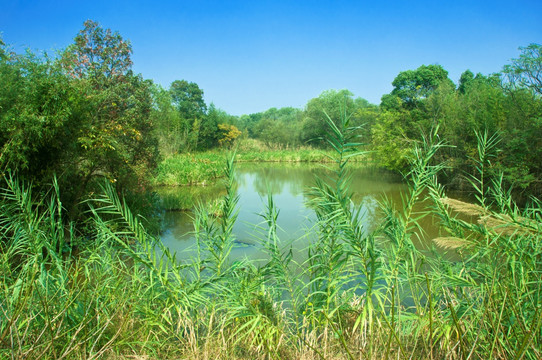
[(450, 242), (497, 223), (464, 207)]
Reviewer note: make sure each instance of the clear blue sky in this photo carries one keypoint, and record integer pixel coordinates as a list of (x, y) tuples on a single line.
[(249, 56)]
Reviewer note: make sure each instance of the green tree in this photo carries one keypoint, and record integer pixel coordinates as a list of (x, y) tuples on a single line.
[(167, 121), (522, 131), (409, 112), (249, 123), (277, 127), (464, 81), (333, 103), (412, 86), (209, 131), (83, 117), (3, 51), (526, 71), (188, 99), (98, 54), (35, 116), (111, 106), (390, 144)]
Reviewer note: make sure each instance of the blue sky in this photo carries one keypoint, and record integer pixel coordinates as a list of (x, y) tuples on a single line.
[(249, 56)]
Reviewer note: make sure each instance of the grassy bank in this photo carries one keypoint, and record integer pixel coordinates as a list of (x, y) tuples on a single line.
[(285, 155), (355, 295), (203, 167), (189, 169)]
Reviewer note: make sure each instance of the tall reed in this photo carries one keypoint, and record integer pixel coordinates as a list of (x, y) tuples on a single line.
[(113, 290)]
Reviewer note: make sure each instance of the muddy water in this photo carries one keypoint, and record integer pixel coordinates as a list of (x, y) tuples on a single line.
[(288, 183)]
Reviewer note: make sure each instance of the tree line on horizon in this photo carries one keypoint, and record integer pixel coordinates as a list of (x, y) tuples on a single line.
[(85, 116), (507, 106)]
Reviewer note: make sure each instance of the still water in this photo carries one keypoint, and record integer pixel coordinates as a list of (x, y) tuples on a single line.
[(288, 183)]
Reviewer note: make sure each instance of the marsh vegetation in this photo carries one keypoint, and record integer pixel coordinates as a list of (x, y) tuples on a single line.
[(84, 273), (356, 294)]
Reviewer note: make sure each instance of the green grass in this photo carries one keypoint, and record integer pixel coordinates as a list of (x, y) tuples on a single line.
[(116, 292), (189, 169), (285, 155), (202, 168)]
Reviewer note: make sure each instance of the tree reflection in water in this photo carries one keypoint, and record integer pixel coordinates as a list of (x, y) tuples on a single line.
[(288, 184)]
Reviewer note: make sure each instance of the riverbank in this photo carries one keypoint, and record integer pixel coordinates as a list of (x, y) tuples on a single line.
[(201, 168)]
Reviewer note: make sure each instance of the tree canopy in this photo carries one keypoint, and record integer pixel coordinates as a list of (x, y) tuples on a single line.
[(411, 86), (526, 71), (507, 106), (83, 116), (98, 54)]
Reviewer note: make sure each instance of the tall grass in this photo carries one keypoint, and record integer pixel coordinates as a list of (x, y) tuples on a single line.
[(203, 167), (114, 291), (189, 169)]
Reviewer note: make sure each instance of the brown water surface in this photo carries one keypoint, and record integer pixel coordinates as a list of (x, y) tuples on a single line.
[(288, 184)]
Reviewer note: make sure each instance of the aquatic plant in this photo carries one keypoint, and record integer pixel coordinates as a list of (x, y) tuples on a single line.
[(114, 290)]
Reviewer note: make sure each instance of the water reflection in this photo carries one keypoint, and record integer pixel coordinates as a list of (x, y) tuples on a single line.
[(288, 183)]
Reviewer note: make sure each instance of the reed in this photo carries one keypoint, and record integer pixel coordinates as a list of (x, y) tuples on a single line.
[(202, 168), (114, 291)]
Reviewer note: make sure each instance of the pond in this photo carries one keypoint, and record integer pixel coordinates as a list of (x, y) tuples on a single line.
[(288, 183)]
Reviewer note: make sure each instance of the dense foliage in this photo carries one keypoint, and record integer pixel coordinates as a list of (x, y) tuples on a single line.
[(290, 127), (507, 106), (356, 294), (186, 124), (84, 117), (79, 129)]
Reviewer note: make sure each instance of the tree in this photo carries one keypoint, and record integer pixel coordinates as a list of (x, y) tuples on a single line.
[(229, 134), (3, 52), (390, 144), (464, 81), (249, 123), (526, 71), (409, 112), (35, 116), (83, 117), (411, 86), (167, 121), (98, 54), (188, 98), (111, 106), (330, 103), (522, 82), (275, 127), (209, 130)]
